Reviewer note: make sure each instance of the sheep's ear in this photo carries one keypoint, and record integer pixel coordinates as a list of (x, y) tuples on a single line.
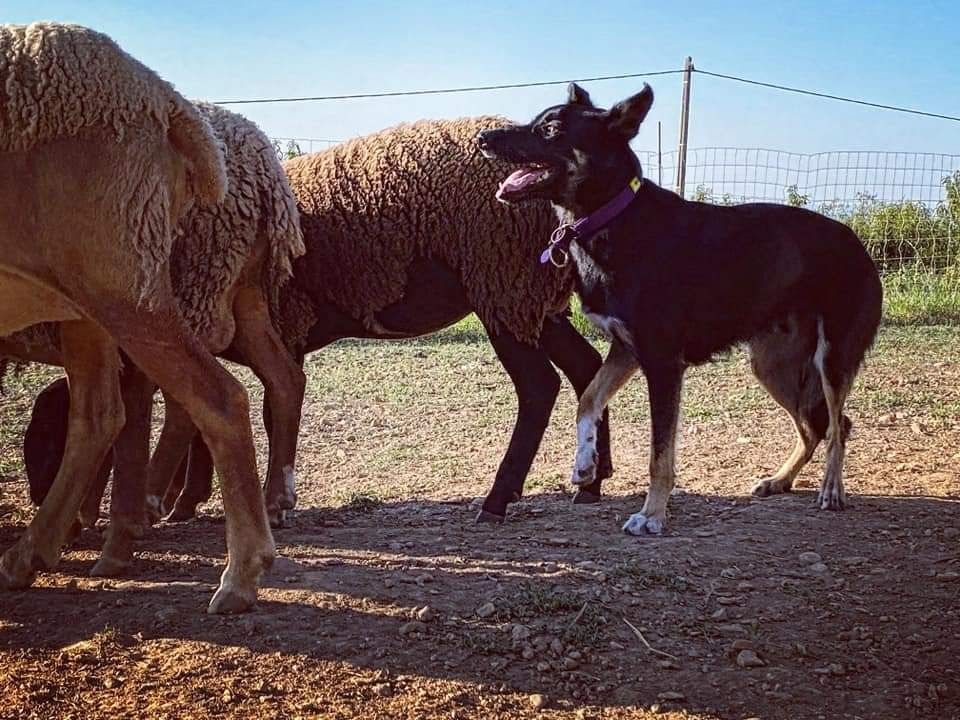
[(625, 117), (576, 95)]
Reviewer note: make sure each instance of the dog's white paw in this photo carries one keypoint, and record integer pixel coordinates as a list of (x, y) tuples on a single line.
[(640, 524)]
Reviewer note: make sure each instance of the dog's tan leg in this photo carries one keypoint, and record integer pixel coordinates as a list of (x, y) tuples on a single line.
[(782, 480), (619, 366), (284, 385), (96, 416), (664, 388)]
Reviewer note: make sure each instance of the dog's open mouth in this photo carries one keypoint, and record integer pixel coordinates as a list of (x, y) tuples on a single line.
[(522, 182)]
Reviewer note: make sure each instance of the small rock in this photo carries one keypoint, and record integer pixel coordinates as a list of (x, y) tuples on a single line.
[(543, 667), (519, 633), (749, 659), (167, 615), (528, 653), (745, 586), (486, 610), (285, 566), (818, 568), (671, 696), (809, 558), (388, 583), (725, 600), (569, 663), (741, 644), (414, 626), (425, 614), (719, 614), (556, 646), (950, 533), (538, 701), (382, 690), (732, 629)]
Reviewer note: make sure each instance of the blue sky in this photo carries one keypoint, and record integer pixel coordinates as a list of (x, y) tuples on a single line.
[(894, 52)]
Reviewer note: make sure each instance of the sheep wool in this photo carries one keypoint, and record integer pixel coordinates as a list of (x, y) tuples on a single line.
[(213, 245), (60, 81), (255, 225), (423, 189)]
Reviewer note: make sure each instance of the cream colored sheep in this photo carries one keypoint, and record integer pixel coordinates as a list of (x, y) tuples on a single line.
[(99, 158), (229, 262)]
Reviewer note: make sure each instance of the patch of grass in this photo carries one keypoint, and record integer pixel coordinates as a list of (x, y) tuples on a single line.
[(536, 600), (921, 298), (360, 501), (646, 577), (587, 627)]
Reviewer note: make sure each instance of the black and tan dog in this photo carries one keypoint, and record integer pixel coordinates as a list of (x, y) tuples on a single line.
[(674, 282)]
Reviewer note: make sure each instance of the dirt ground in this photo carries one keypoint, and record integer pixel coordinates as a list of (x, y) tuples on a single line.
[(389, 602)]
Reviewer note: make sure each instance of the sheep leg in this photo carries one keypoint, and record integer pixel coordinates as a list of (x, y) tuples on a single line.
[(128, 518), (159, 343), (580, 362), (284, 385), (193, 484), (95, 417), (537, 385), (171, 451), (90, 509)]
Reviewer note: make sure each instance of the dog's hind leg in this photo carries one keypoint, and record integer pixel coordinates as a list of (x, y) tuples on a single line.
[(664, 387), (837, 381), (782, 360), (619, 367), (580, 362)]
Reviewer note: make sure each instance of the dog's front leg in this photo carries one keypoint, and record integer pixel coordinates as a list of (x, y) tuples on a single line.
[(619, 367), (663, 386)]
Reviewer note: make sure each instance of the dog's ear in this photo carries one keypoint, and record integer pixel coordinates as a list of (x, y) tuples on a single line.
[(576, 95), (625, 117)]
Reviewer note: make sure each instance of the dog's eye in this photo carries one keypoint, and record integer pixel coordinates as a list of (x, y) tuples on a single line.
[(550, 130)]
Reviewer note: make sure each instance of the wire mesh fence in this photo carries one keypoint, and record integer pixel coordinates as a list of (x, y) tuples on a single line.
[(904, 206)]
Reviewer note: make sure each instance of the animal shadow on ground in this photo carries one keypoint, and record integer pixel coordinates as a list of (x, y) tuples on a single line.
[(743, 608)]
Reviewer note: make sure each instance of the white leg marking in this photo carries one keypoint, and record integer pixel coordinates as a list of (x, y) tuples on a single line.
[(585, 462)]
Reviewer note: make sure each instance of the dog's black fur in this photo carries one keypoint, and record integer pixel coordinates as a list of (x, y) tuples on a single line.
[(680, 281)]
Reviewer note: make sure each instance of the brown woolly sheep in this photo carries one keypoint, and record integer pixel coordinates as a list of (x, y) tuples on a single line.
[(99, 158), (228, 264), (404, 237)]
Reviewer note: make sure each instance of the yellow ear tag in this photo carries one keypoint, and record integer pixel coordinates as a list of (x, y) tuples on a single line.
[(635, 184)]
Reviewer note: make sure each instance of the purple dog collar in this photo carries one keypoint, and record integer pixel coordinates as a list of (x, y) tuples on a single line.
[(588, 226)]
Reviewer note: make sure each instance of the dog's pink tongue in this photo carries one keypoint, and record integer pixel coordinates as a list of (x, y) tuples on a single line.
[(517, 180)]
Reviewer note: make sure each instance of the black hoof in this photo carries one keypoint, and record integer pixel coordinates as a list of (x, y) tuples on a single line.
[(585, 497), (485, 517)]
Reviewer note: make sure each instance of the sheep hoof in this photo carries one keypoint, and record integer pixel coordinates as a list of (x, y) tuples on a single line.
[(110, 567), (181, 514), (231, 601), (585, 497), (278, 518), (485, 517)]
